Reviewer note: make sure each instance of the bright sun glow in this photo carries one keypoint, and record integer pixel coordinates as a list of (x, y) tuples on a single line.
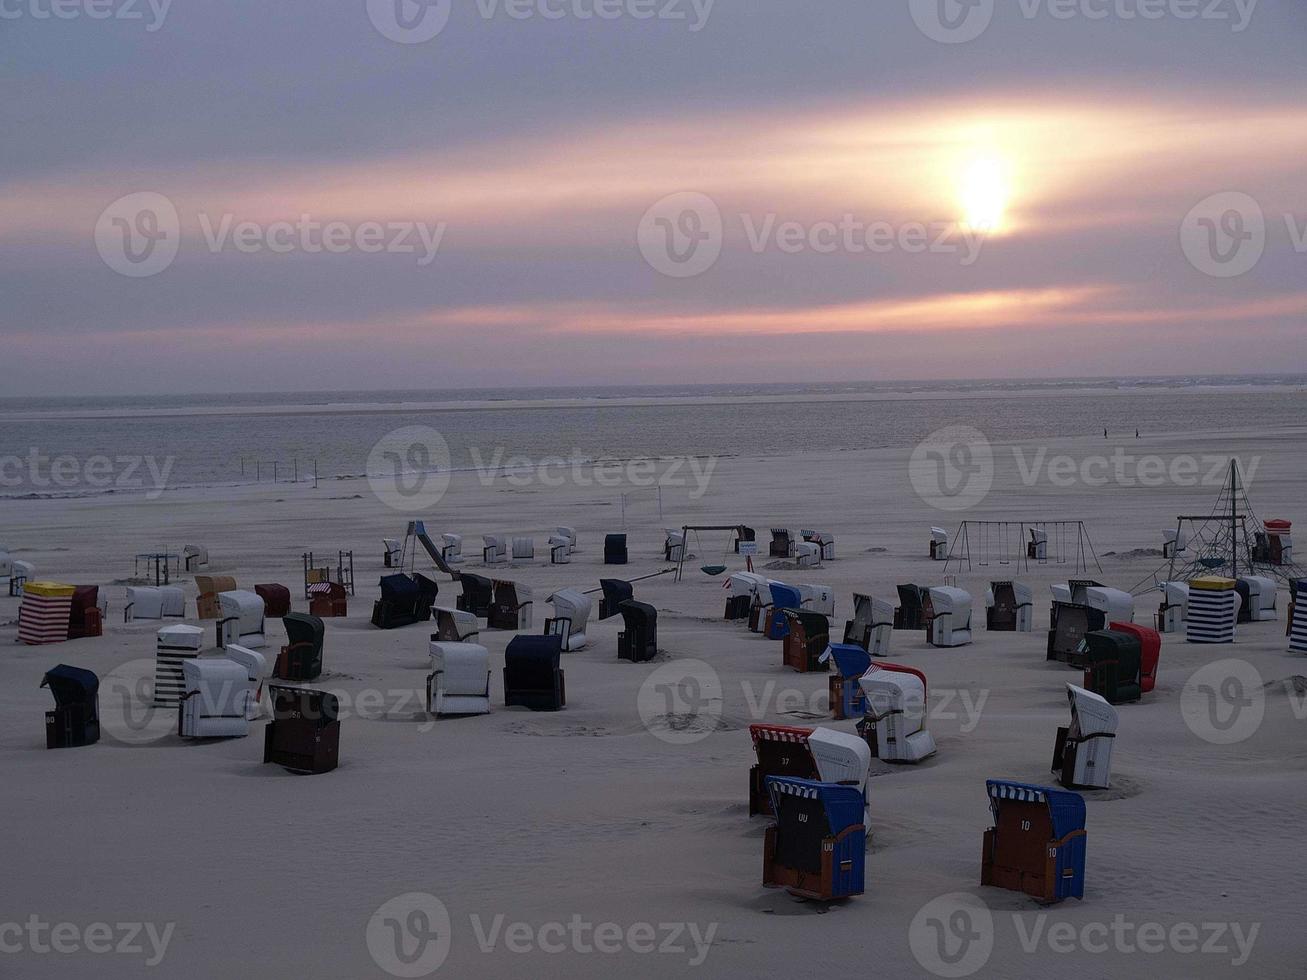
[(983, 193)]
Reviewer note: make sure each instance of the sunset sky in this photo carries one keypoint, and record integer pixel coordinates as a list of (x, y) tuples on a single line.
[(1026, 189)]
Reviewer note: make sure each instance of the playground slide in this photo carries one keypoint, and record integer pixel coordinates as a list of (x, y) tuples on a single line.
[(420, 532)]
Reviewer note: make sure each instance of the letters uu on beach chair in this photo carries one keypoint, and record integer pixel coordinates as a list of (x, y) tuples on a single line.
[(1082, 752), (174, 645), (276, 599), (494, 549), (45, 612), (1173, 611), (207, 589), (217, 699), (846, 697), (910, 613), (1037, 843), (301, 658), (560, 550), (405, 600), (614, 549), (570, 618), (615, 592), (459, 683), (746, 589), (782, 543), (824, 540), (938, 544), (1009, 607), (392, 554), (478, 594), (194, 556), (895, 705), (1112, 664), (512, 606), (807, 638), (950, 622), (871, 626), (242, 619), (673, 544), (817, 847), (1213, 610), (304, 734), (1259, 595), (255, 665), (1150, 652), (779, 750), (75, 720), (783, 599), (454, 625), (638, 642), (1298, 619), (532, 675)]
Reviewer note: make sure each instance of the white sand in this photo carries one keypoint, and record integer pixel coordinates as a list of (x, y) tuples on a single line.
[(542, 817)]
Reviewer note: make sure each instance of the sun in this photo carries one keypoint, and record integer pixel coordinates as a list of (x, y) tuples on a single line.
[(984, 190)]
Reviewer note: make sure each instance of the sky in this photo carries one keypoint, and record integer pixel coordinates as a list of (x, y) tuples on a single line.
[(370, 194)]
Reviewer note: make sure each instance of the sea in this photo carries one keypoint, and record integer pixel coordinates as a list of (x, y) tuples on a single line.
[(52, 446)]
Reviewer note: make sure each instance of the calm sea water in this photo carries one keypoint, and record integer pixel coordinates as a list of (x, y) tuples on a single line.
[(220, 438)]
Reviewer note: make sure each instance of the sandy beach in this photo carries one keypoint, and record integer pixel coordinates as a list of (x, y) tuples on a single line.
[(579, 843)]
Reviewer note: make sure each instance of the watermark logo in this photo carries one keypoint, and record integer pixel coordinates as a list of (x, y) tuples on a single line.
[(409, 21), (953, 935), (681, 702), (1224, 702), (410, 936), (139, 234), (952, 21), (409, 468), (1224, 235), (681, 235), (128, 714), (952, 468)]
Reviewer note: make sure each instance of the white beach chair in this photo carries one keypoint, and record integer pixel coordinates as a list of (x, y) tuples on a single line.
[(216, 699), (560, 550), (1082, 754), (494, 550), (257, 671), (459, 682), (950, 624), (571, 616), (896, 705), (451, 548), (241, 619), (524, 549)]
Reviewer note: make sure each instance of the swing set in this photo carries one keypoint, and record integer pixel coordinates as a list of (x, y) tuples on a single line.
[(710, 569), (1020, 543)]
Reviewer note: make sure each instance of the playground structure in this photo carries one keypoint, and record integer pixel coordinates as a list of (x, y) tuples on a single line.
[(711, 569), (1022, 543), (342, 574), (631, 496), (416, 535)]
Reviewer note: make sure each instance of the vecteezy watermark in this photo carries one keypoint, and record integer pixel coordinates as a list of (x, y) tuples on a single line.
[(944, 703), (409, 468), (140, 235), (37, 936), (681, 236), (411, 936), (960, 21), (681, 702), (151, 12), (555, 471), (416, 22), (954, 936), (952, 468), (66, 473)]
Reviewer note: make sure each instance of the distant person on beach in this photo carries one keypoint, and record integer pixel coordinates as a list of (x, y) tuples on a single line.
[(1104, 433)]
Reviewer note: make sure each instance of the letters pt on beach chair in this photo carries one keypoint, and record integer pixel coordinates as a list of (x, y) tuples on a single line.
[(1037, 843), (817, 846), (1082, 752), (304, 734), (459, 682), (75, 720), (533, 677)]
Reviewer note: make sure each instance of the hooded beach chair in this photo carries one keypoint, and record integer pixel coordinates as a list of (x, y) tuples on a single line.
[(1298, 619), (1259, 600), (1037, 546), (818, 599), (454, 625), (825, 542), (1150, 652), (614, 549), (173, 646), (459, 682), (257, 672), (143, 602), (910, 614), (216, 702), (392, 553), (301, 658), (451, 548), (242, 619), (570, 618), (950, 622), (570, 534), (532, 675), (841, 757), (784, 598), (1113, 665), (328, 600), (478, 594), (1213, 610), (782, 543), (1009, 607), (850, 663), (817, 846), (615, 592), (207, 588), (806, 554), (744, 590), (1278, 543), (193, 557), (560, 550), (494, 549), (871, 626), (1171, 614), (807, 638), (20, 573), (1082, 752), (1037, 843), (1174, 542), (1107, 606), (779, 750), (405, 600), (895, 702), (760, 611), (304, 734), (638, 642), (744, 534), (938, 544), (524, 549), (673, 544), (75, 720), (1070, 623), (85, 616), (276, 599), (511, 608)]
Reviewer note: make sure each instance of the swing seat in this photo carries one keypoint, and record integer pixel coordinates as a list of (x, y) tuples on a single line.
[(712, 569)]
